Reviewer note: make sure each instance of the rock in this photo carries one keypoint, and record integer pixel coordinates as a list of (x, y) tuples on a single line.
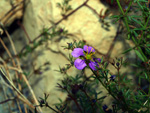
[(84, 24), (10, 10)]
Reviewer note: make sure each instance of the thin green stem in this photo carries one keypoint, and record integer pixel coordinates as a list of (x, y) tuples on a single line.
[(52, 109), (147, 22), (109, 91), (103, 85), (76, 103), (89, 99), (128, 7), (118, 79)]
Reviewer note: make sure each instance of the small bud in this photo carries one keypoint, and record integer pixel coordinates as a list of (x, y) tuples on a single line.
[(72, 63), (61, 30), (75, 89), (117, 64), (65, 87), (112, 77), (93, 100)]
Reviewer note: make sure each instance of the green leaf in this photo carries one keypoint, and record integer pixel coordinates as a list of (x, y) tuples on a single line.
[(139, 55), (126, 51), (148, 50), (140, 4), (115, 16), (97, 81), (136, 16), (148, 36), (134, 65), (142, 0), (139, 29), (102, 60), (58, 5), (148, 45), (146, 75), (101, 98), (135, 33), (138, 22), (28, 48), (127, 92), (96, 96)]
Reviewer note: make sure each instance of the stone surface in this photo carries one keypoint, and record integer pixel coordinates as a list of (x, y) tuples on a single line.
[(9, 12), (84, 24)]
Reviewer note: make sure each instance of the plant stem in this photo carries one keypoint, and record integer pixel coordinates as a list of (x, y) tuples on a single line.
[(89, 99), (108, 89), (118, 79), (52, 108), (76, 103), (128, 7), (103, 85)]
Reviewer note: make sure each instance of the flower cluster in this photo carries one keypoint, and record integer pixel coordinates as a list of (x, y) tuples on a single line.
[(86, 53)]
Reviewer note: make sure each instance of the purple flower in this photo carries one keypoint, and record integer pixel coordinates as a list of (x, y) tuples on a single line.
[(112, 77), (86, 53), (61, 30)]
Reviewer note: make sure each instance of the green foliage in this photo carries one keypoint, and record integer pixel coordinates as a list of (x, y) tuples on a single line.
[(65, 7)]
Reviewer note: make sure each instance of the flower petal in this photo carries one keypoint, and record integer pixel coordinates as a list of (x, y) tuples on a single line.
[(77, 52), (93, 65), (88, 48), (97, 60), (80, 64), (85, 47)]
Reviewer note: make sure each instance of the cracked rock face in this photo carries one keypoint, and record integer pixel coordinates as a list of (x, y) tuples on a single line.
[(84, 24), (10, 10)]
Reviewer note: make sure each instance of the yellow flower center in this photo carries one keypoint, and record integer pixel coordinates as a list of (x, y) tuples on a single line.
[(88, 56)]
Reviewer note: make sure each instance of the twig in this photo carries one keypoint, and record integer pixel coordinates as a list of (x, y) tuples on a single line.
[(7, 79), (10, 99), (5, 95), (11, 15), (107, 56), (13, 8), (24, 31), (24, 77), (76, 103), (50, 28), (25, 108), (92, 9), (52, 108), (11, 83), (13, 65), (19, 106), (65, 17), (8, 54)]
